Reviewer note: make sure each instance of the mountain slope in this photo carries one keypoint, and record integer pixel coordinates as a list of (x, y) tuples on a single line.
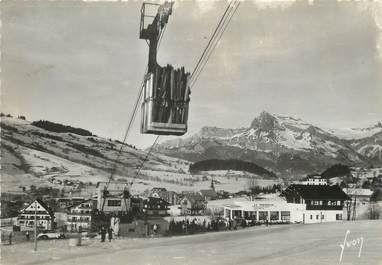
[(282, 144), (32, 155)]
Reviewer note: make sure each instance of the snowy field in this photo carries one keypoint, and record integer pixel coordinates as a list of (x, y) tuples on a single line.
[(317, 244)]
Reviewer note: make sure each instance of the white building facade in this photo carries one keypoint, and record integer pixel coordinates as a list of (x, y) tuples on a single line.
[(36, 211)]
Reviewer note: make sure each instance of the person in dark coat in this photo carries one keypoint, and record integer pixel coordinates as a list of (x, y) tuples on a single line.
[(110, 234), (10, 238), (103, 234), (27, 235)]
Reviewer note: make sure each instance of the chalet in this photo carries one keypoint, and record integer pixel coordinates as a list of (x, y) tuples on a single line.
[(323, 202), (192, 204), (169, 196), (113, 197), (80, 216), (36, 210), (64, 203), (316, 180), (155, 207)]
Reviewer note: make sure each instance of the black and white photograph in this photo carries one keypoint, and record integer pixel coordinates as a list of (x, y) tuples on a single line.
[(187, 132)]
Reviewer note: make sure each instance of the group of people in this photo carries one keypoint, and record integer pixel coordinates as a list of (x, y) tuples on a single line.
[(105, 231), (195, 226)]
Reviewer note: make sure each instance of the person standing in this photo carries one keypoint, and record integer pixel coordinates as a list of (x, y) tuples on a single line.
[(110, 234), (10, 238), (27, 235), (103, 234)]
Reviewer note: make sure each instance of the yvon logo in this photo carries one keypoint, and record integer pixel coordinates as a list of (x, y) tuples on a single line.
[(355, 243)]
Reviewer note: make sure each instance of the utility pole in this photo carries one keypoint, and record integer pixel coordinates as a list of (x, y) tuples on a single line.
[(35, 225)]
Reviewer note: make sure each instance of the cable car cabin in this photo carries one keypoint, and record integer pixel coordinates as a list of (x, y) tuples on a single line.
[(166, 100), (166, 90)]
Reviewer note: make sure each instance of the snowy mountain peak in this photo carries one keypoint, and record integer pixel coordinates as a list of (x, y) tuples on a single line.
[(282, 143), (265, 122)]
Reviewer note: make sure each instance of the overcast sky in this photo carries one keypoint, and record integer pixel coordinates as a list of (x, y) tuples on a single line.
[(81, 63)]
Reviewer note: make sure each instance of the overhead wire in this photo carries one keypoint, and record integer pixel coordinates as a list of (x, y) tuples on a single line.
[(215, 43), (216, 36), (211, 39), (132, 116)]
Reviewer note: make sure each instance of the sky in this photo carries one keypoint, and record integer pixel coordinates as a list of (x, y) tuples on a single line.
[(82, 63)]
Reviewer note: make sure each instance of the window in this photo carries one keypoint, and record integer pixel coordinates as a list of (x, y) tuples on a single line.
[(317, 217), (322, 217), (263, 215), (285, 216), (114, 203), (311, 217), (338, 216), (274, 215)]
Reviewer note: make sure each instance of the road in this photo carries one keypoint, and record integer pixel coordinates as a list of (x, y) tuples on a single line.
[(284, 244)]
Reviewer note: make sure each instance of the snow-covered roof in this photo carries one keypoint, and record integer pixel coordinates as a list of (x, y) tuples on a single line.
[(357, 192)]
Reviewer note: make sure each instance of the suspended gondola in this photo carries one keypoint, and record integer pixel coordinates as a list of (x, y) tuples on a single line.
[(166, 93)]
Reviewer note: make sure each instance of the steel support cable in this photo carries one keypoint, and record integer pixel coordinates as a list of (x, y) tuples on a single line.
[(214, 46), (212, 40), (132, 117), (212, 37), (146, 158), (228, 14)]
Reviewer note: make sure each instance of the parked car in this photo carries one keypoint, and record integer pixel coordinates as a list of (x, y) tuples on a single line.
[(50, 235)]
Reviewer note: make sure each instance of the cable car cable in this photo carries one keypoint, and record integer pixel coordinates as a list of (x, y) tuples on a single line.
[(132, 117), (215, 44), (218, 32), (212, 37)]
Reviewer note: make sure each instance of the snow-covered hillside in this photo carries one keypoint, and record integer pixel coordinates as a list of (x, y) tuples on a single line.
[(34, 156)]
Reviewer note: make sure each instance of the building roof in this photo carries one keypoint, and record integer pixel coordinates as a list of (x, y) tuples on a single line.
[(43, 204), (209, 193), (153, 203), (319, 192), (358, 192), (194, 197)]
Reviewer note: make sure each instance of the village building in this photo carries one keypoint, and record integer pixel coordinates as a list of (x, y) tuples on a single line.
[(209, 194), (265, 211), (360, 203), (39, 211), (155, 207), (192, 204), (323, 203), (81, 216), (169, 196), (65, 202), (315, 180)]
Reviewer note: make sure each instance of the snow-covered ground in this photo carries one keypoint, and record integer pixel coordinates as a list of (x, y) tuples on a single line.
[(317, 244)]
